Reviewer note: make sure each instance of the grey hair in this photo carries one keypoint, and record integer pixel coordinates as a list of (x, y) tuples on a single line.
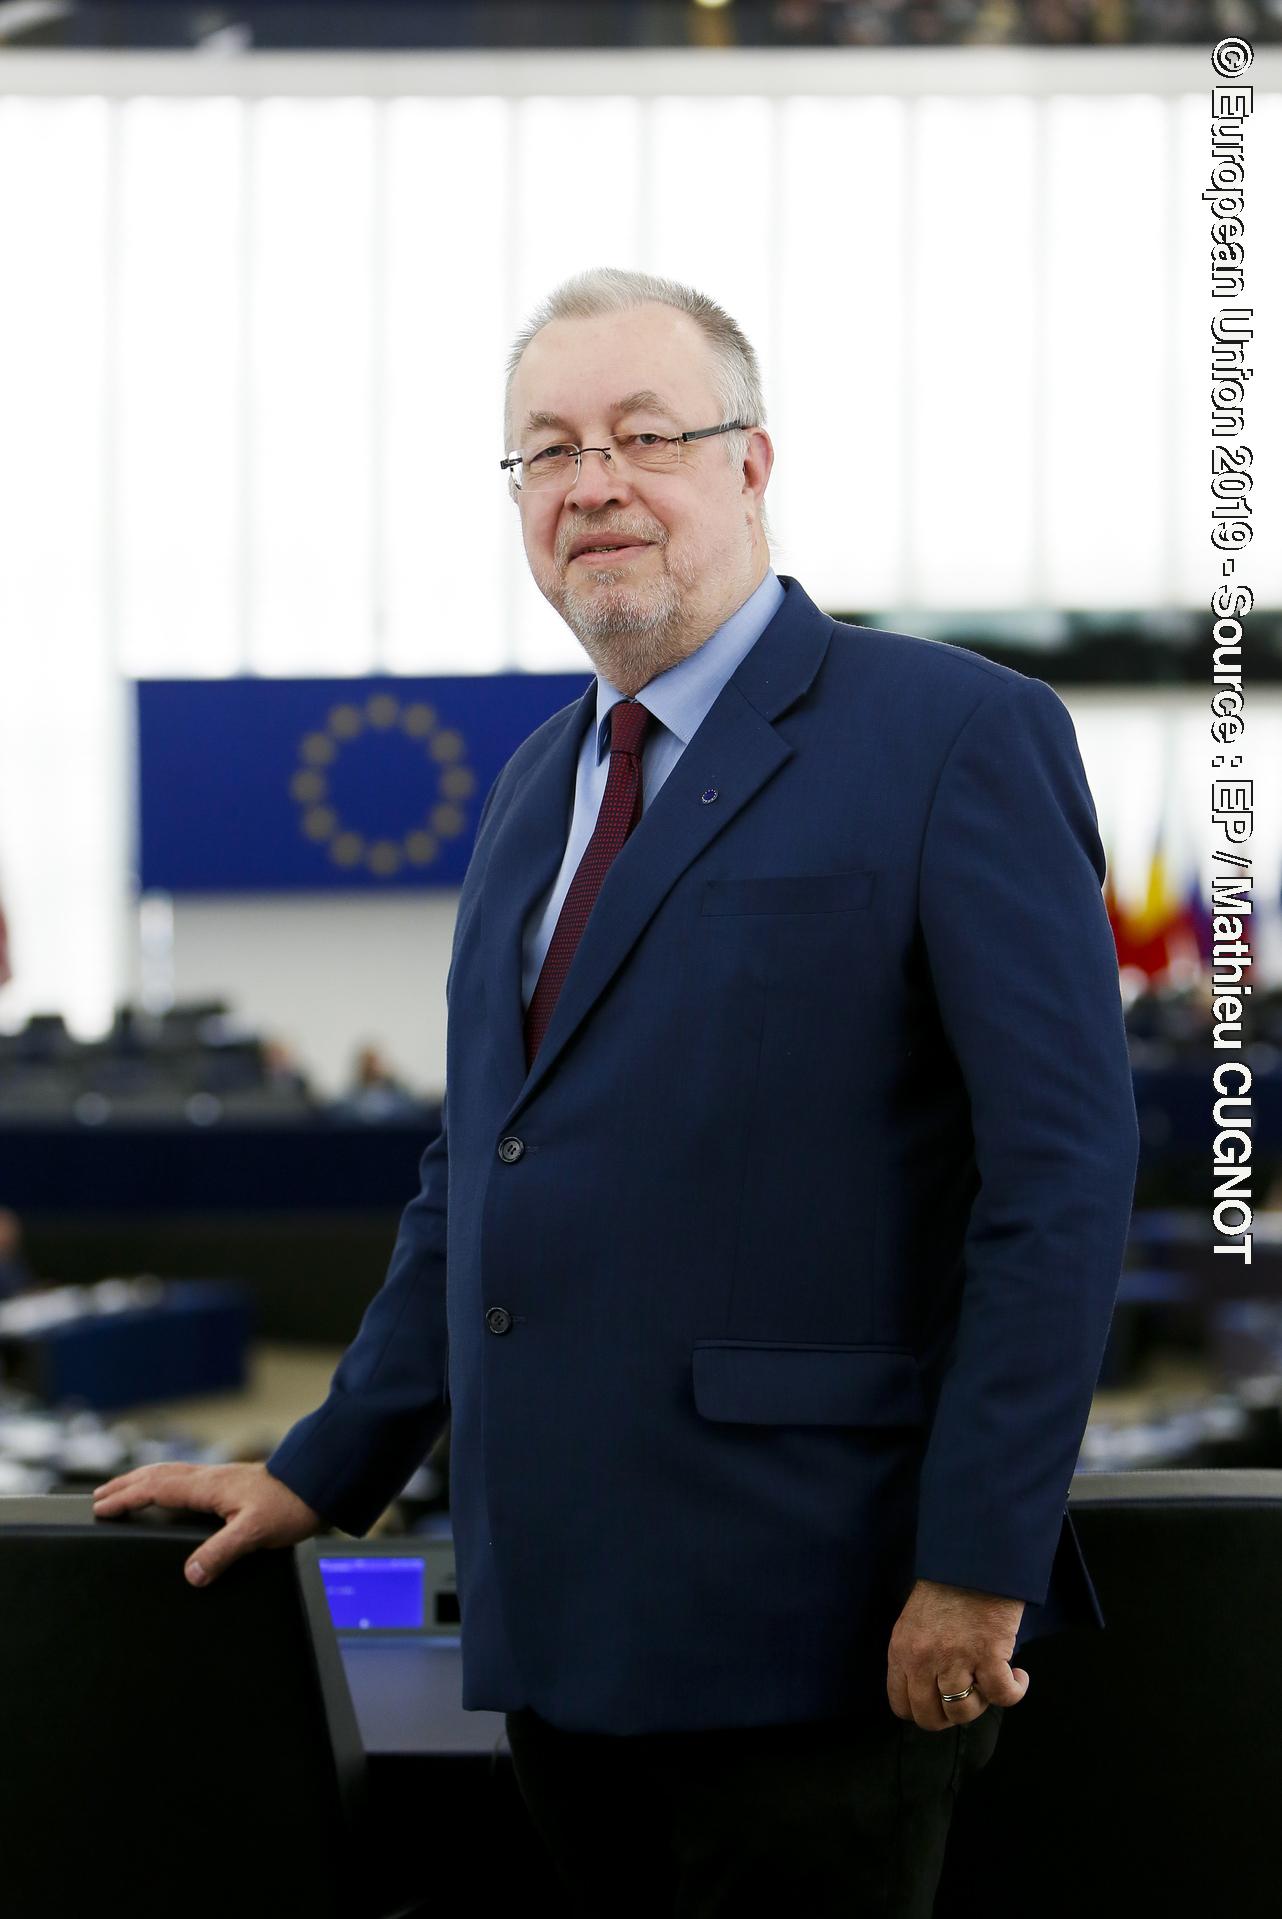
[(597, 290)]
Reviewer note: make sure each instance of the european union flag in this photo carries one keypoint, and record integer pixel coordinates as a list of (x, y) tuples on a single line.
[(255, 785)]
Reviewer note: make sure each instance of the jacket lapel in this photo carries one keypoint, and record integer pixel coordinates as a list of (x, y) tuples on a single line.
[(735, 751), (528, 848)]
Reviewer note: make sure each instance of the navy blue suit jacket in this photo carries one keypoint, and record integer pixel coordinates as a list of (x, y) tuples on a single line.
[(783, 1278)]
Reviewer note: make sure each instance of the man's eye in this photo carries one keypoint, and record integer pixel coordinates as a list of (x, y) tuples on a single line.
[(550, 453), (641, 439)]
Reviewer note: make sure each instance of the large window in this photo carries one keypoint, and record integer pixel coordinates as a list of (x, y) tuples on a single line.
[(255, 318)]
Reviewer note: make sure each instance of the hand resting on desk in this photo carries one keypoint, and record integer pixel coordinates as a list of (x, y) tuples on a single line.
[(258, 1510)]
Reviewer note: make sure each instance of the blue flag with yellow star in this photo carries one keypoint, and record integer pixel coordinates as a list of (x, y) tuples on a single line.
[(255, 785)]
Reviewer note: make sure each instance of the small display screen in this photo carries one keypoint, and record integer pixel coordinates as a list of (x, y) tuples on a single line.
[(368, 1594)]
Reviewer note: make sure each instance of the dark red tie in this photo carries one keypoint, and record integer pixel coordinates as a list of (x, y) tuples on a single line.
[(620, 811)]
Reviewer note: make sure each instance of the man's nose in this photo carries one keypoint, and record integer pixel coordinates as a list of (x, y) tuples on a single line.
[(599, 479)]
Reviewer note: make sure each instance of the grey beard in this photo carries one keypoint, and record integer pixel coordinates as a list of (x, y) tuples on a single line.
[(630, 634)]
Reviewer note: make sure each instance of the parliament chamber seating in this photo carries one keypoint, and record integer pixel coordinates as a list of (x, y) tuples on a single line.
[(190, 1751), (1142, 1773), (171, 1750)]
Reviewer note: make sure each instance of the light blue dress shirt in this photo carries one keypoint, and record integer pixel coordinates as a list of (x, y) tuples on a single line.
[(680, 700)]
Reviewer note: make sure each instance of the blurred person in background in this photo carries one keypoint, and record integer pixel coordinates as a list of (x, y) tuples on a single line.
[(374, 1091), (281, 1069), (6, 969), (15, 1274), (373, 1071), (783, 1180)]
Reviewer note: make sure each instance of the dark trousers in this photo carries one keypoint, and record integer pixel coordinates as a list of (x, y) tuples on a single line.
[(833, 1818)]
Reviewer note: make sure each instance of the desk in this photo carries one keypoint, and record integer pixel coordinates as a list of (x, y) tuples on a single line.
[(115, 1344), (304, 1214), (451, 1825), (408, 1693)]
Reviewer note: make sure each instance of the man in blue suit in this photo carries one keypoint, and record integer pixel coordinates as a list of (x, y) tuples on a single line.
[(777, 1213)]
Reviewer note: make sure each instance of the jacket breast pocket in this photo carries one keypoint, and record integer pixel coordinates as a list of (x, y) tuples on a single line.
[(789, 893), (755, 1382)]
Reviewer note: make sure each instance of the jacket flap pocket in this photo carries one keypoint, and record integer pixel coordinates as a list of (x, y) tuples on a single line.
[(807, 1385), (789, 893)]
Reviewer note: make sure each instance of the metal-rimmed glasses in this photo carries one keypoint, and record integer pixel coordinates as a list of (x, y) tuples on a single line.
[(650, 451)]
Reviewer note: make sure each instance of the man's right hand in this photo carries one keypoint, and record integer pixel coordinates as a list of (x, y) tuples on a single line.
[(258, 1509)]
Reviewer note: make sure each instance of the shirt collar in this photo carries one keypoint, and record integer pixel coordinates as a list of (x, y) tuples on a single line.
[(681, 697)]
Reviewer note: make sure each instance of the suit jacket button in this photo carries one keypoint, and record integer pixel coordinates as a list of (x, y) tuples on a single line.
[(510, 1148), (498, 1319)]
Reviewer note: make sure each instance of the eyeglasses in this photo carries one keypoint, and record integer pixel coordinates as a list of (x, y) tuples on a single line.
[(555, 465)]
